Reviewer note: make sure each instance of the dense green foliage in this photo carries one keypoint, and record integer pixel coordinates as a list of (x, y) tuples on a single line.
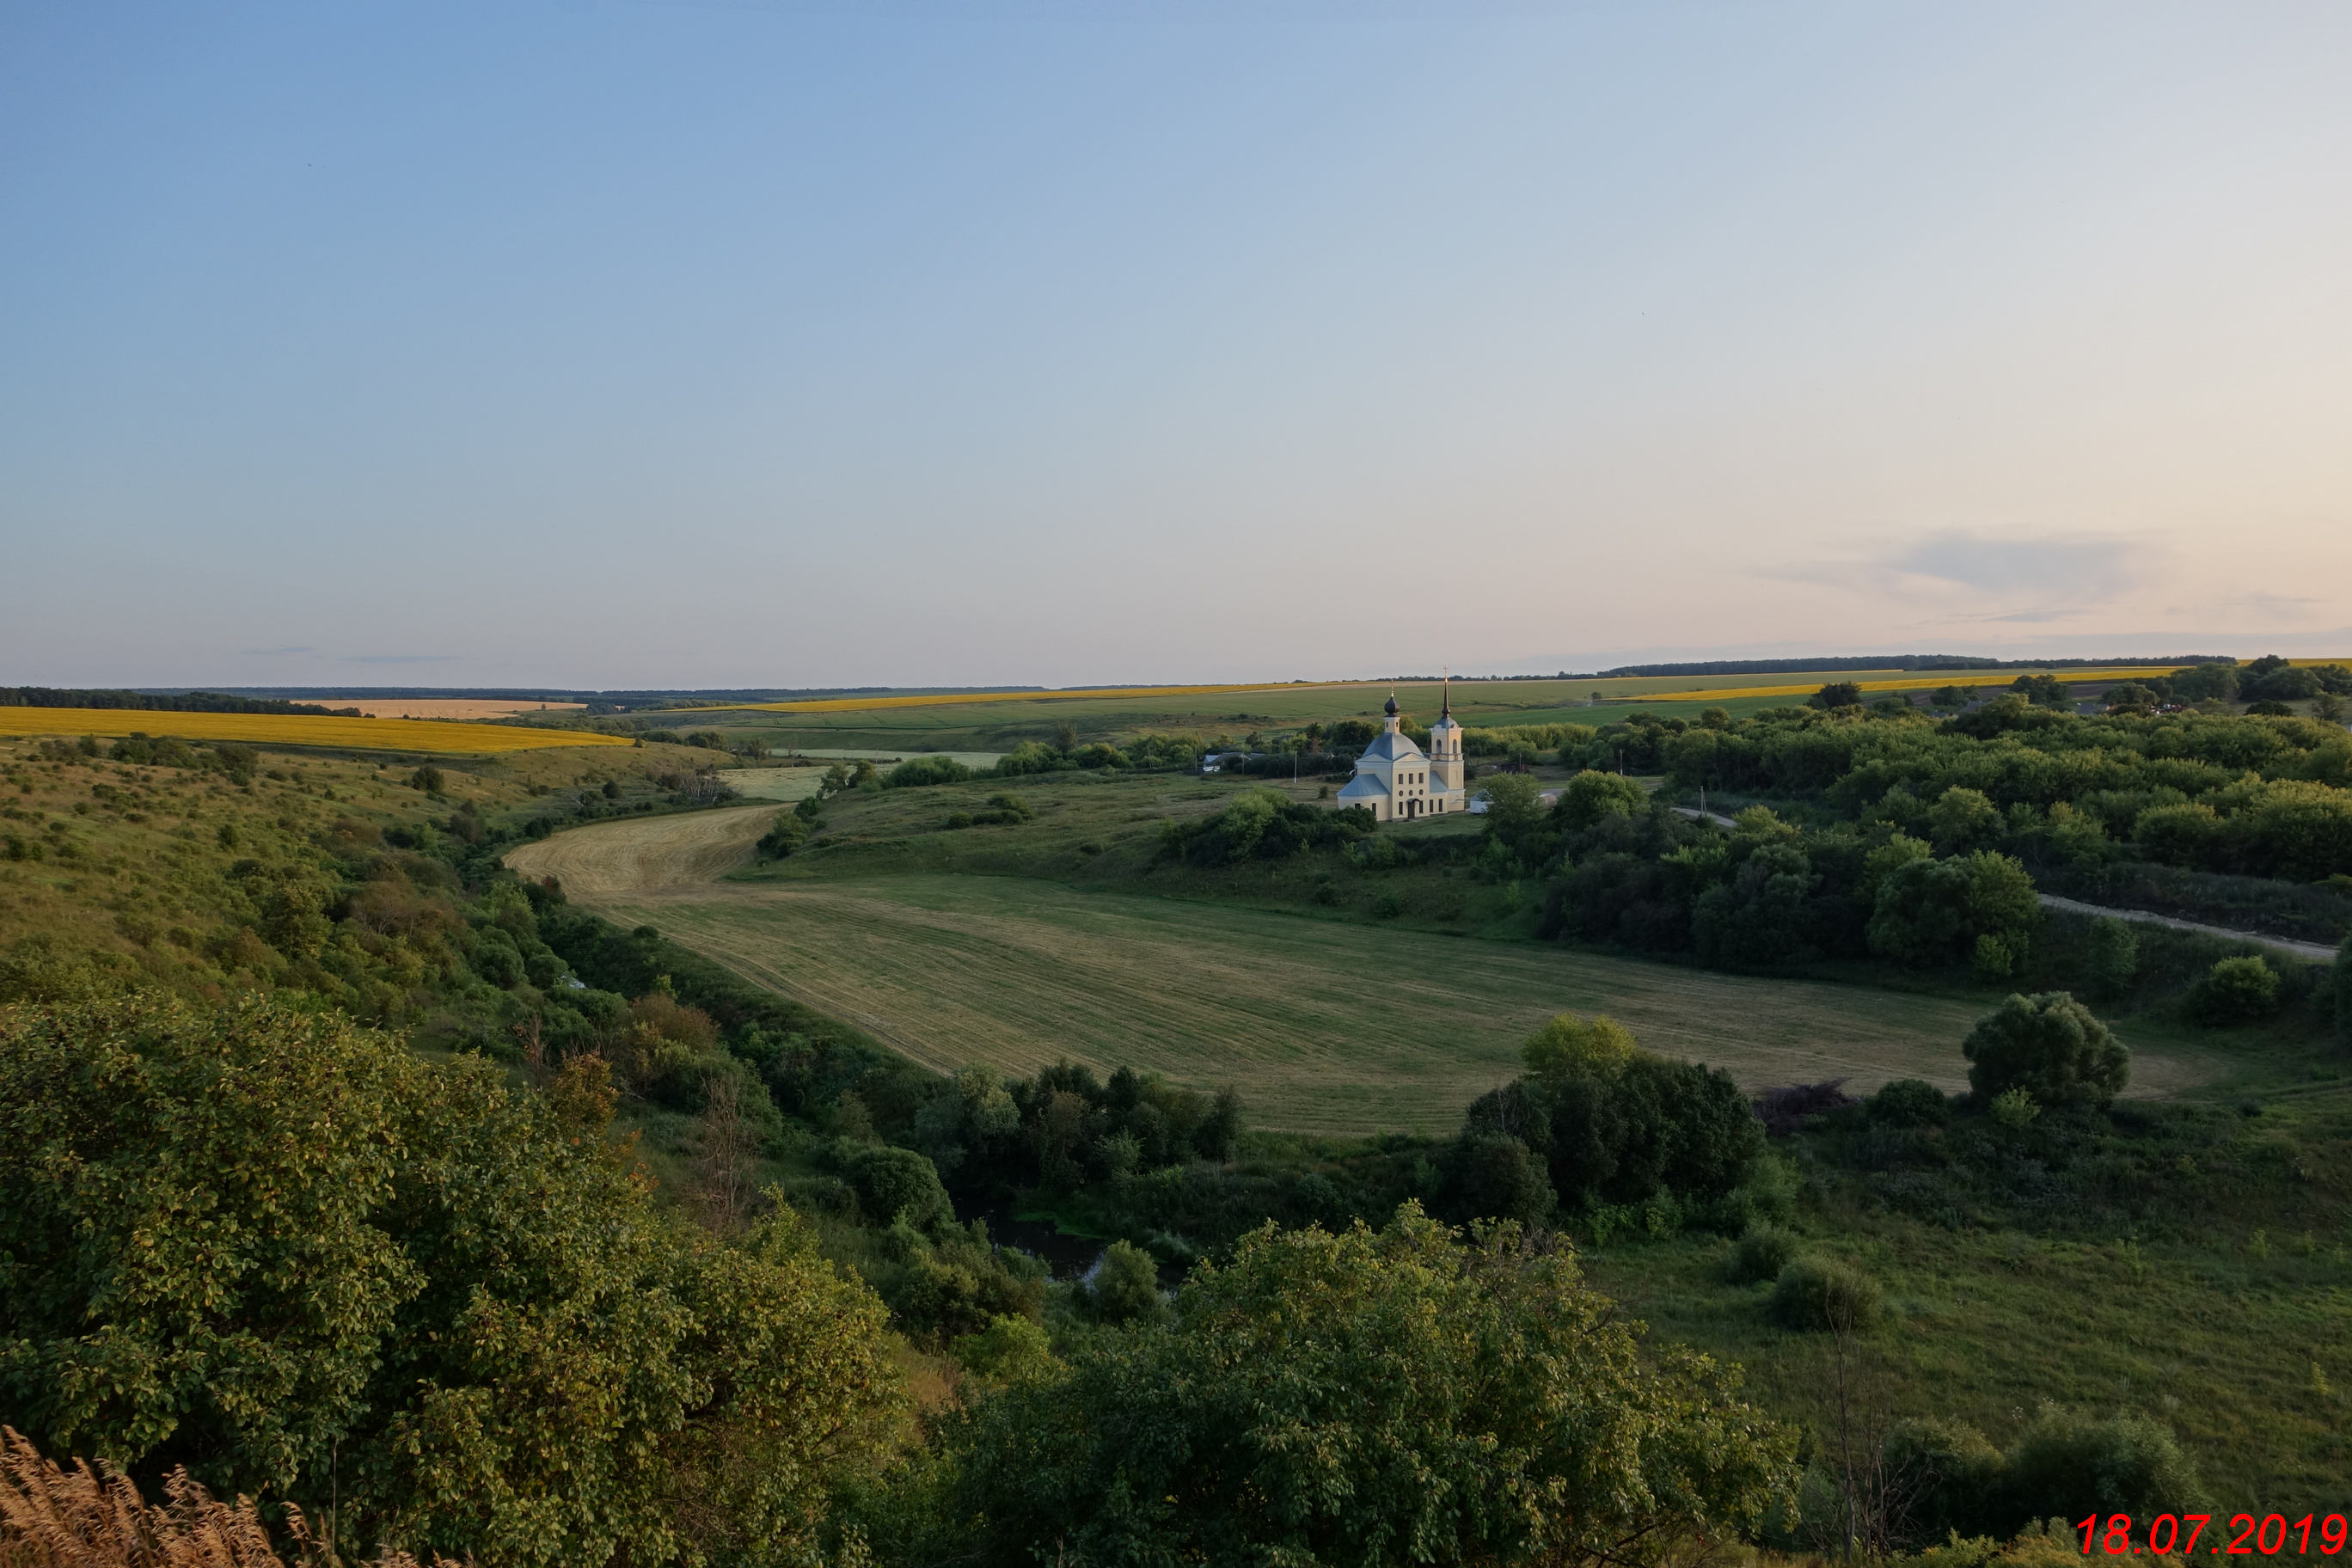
[(2256, 796), (292, 1256), (1614, 1127), (1264, 824), (2050, 1047), (1374, 1398)]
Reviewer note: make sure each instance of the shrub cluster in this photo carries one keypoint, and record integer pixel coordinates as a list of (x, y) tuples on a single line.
[(1262, 824), (1596, 1123)]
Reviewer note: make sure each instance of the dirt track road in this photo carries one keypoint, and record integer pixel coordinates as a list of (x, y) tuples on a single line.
[(614, 860)]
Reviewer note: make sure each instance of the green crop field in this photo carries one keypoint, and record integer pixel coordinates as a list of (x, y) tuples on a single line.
[(981, 723), (1326, 1025)]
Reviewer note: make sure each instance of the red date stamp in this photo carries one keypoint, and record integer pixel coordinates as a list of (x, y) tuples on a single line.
[(2244, 1536)]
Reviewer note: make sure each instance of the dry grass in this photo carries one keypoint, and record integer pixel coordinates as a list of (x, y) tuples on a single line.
[(297, 729), (647, 855), (56, 1517)]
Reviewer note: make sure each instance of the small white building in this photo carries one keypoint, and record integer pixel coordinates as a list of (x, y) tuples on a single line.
[(1396, 782)]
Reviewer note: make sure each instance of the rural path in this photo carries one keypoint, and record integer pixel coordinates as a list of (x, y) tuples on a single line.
[(610, 860), (2314, 952)]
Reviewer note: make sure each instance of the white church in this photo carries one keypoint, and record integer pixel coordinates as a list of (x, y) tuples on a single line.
[(1397, 783)]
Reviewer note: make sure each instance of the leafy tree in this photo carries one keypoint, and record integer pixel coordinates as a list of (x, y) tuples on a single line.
[(2049, 1045), (2041, 691), (1837, 694), (2237, 991), (1514, 808), (789, 832), (915, 772), (1962, 819), (1492, 1175), (1568, 1045), (2068, 1459), (2205, 682), (1952, 699), (1760, 917), (1374, 1398), (1910, 1102), (1125, 1289), (1591, 795), (285, 1252), (1614, 1124), (1932, 912), (897, 1183)]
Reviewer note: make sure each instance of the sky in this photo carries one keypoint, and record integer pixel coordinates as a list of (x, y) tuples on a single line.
[(1074, 342)]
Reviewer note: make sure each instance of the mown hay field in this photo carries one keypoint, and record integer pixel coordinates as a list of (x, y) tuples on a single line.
[(298, 730), (1325, 1025)]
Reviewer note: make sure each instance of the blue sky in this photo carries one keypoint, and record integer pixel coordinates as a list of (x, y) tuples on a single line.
[(605, 345)]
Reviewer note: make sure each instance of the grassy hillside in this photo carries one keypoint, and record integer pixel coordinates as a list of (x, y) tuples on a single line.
[(136, 866)]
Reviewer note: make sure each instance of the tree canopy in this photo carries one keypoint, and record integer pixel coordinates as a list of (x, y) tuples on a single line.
[(1401, 1397), (285, 1252)]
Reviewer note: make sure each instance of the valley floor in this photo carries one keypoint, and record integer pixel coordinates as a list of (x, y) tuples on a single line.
[(1325, 1025)]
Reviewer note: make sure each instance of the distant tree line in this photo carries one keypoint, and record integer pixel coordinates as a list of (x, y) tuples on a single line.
[(183, 702)]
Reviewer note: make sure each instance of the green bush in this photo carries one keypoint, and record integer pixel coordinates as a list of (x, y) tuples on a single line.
[(1613, 1124), (915, 772), (2050, 1045), (2111, 959), (2069, 1463), (1762, 1252), (1492, 1175), (1591, 795), (2236, 991), (897, 1183), (1910, 1102), (1948, 1476), (788, 832), (2015, 1108), (1928, 913), (1125, 1287), (1815, 1293)]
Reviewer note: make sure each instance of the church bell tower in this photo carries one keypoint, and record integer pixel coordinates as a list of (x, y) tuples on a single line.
[(1445, 745)]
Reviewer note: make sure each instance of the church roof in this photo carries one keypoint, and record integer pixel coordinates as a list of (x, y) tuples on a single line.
[(1363, 785), (1391, 745)]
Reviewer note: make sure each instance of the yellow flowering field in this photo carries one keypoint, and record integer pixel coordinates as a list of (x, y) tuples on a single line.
[(296, 730)]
